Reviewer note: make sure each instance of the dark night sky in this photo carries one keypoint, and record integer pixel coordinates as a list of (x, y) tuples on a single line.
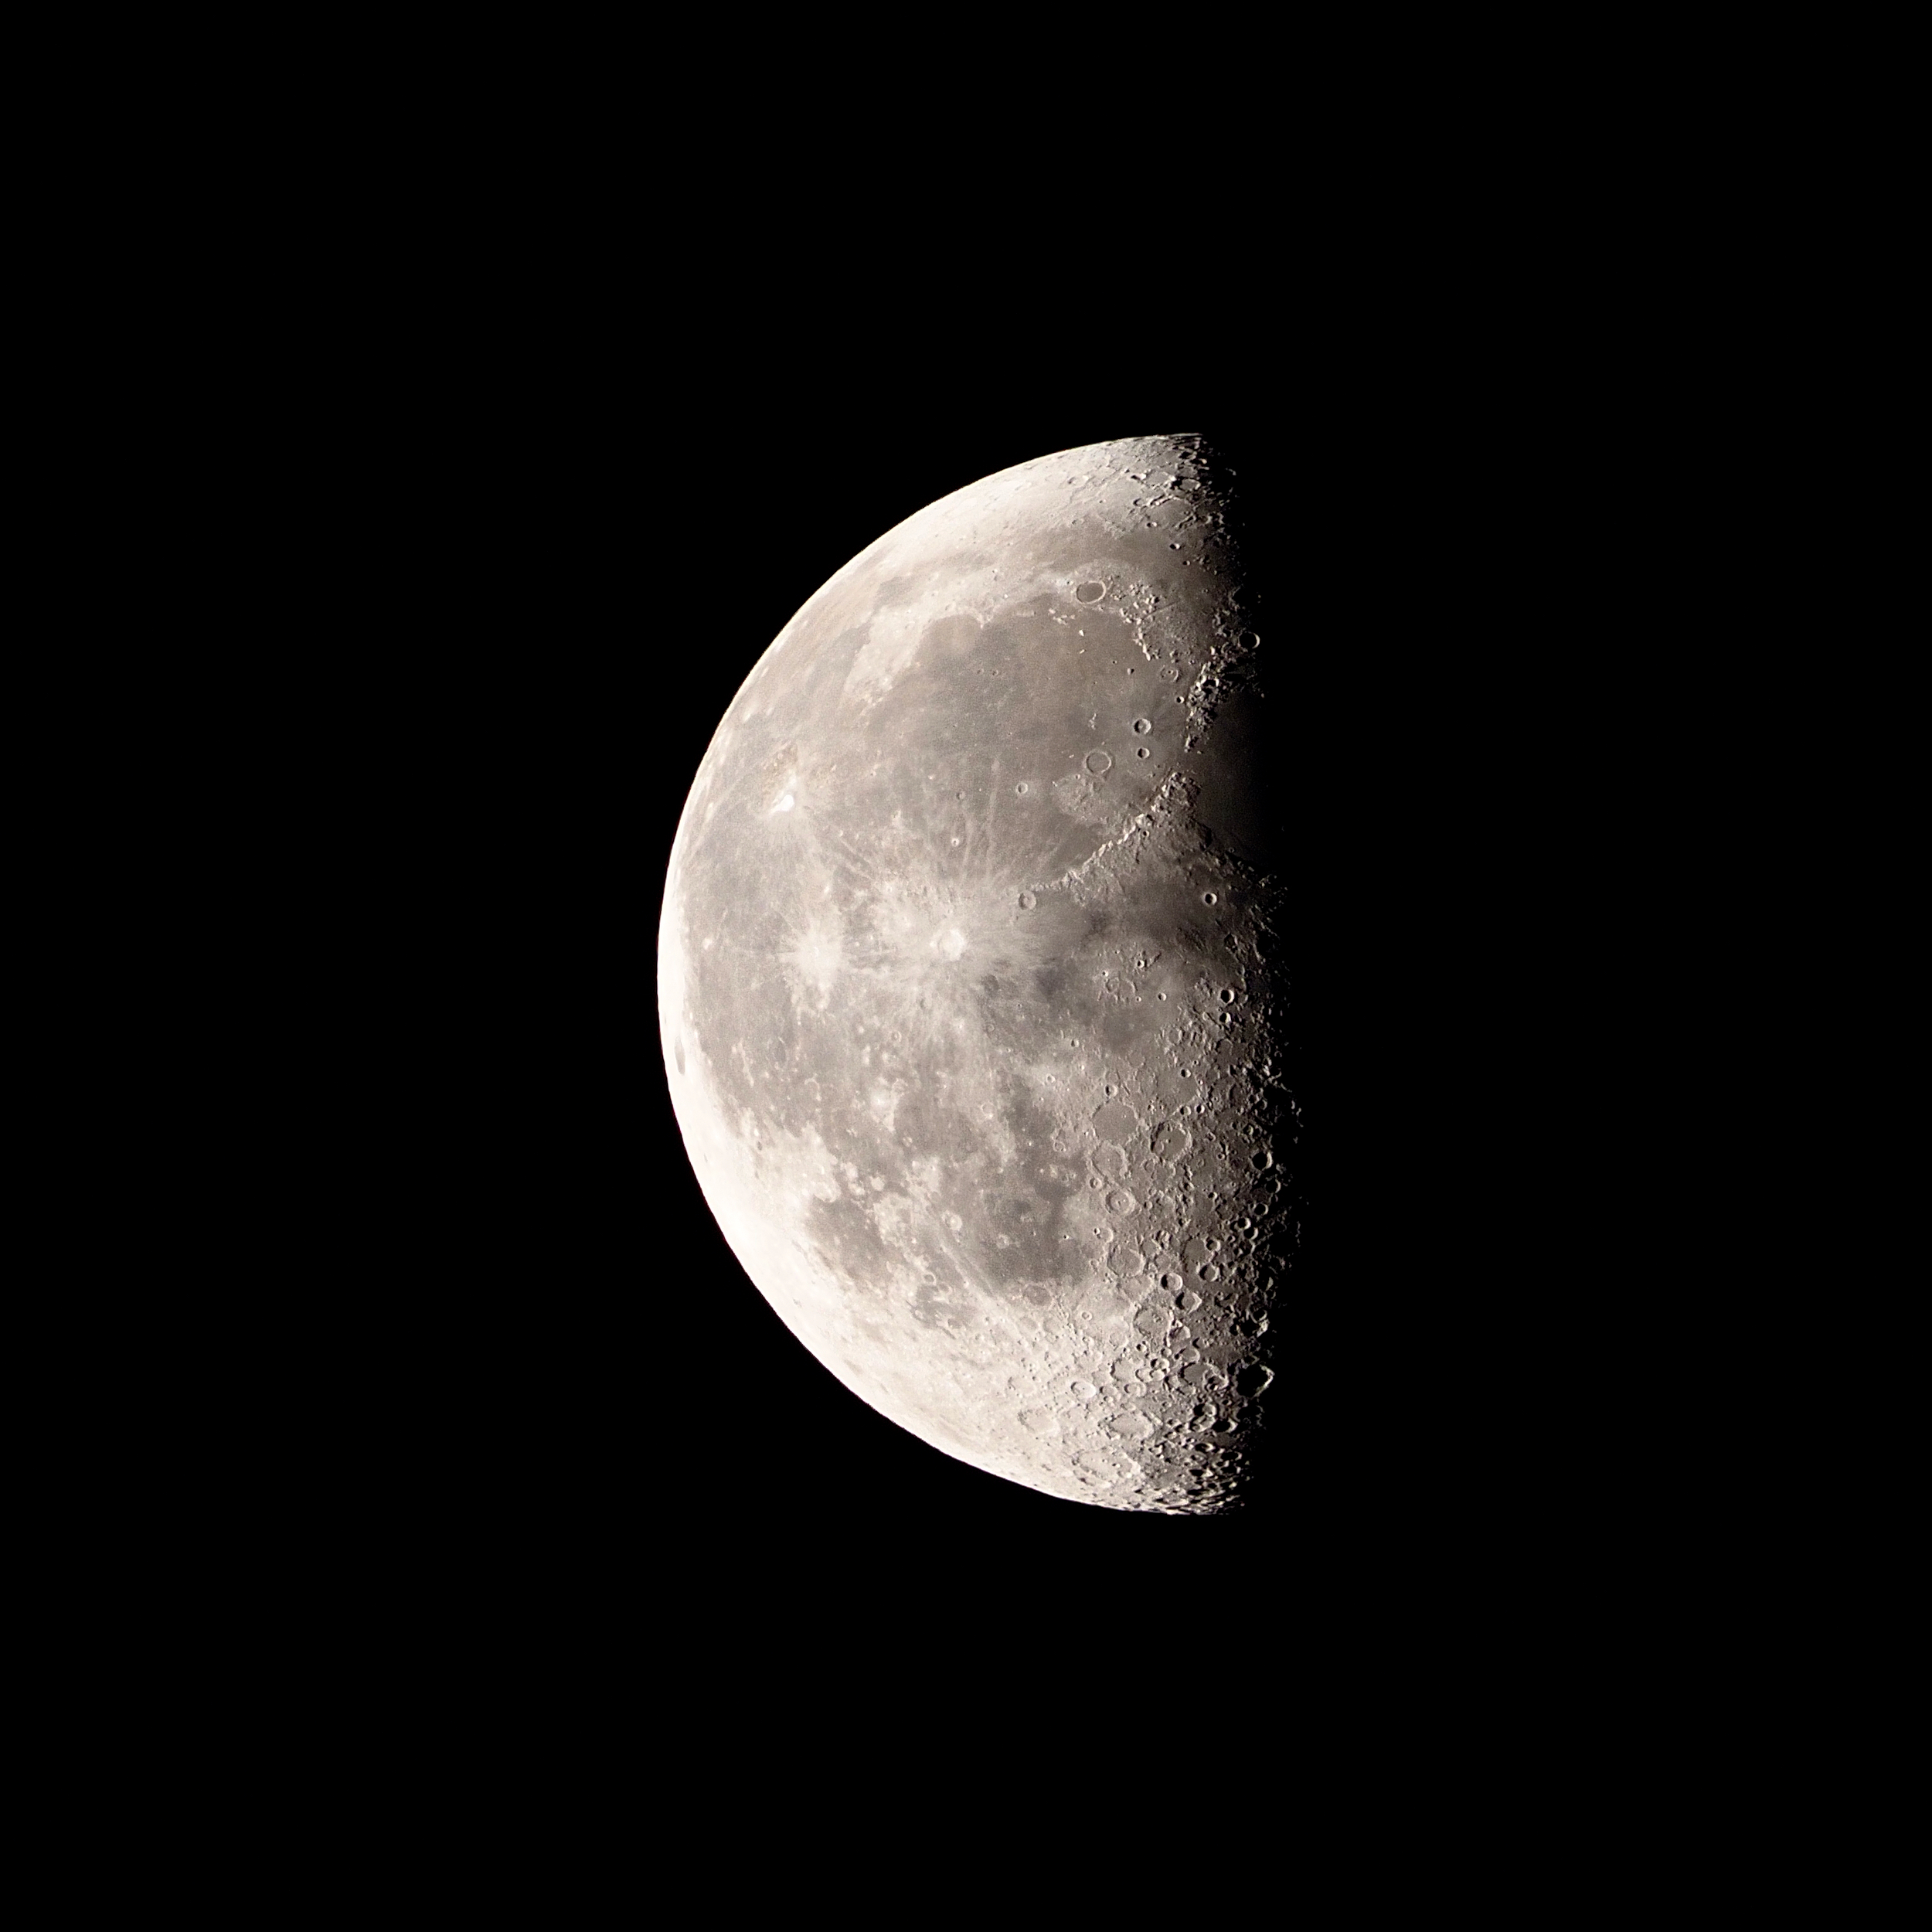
[(496, 1385), (604, 1387)]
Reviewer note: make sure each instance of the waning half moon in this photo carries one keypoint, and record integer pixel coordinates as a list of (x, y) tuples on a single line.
[(967, 978)]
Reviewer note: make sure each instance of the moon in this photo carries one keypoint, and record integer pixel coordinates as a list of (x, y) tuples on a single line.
[(969, 979)]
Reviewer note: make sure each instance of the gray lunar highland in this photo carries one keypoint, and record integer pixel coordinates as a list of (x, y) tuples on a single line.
[(968, 980)]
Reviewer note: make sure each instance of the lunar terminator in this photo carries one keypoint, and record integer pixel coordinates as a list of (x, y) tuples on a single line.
[(970, 984)]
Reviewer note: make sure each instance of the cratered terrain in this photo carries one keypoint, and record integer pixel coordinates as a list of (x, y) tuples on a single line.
[(969, 978)]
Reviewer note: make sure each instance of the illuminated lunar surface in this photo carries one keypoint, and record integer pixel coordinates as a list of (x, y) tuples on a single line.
[(968, 985)]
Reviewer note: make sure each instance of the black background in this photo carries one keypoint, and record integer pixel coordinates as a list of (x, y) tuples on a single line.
[(485, 548), (552, 1370)]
